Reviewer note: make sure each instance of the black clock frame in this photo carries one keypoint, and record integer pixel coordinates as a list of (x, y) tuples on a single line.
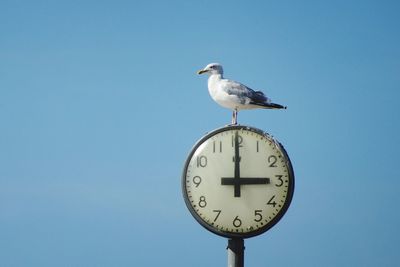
[(269, 224)]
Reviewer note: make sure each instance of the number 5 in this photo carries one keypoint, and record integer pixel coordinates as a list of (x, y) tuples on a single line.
[(258, 215)]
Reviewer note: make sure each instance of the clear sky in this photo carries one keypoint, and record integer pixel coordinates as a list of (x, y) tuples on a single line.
[(100, 104)]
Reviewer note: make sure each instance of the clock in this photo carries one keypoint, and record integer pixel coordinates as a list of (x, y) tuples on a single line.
[(237, 181)]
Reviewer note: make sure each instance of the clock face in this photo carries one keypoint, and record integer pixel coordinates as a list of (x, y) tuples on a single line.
[(238, 181)]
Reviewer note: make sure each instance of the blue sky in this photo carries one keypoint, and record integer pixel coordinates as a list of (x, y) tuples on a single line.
[(100, 104)]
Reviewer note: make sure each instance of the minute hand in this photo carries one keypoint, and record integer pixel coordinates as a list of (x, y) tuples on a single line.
[(237, 160), (237, 181), (237, 165)]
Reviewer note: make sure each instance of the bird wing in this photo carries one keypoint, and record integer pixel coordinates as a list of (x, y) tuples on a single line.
[(242, 91)]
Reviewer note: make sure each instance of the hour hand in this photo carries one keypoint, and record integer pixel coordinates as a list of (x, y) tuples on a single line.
[(254, 180)]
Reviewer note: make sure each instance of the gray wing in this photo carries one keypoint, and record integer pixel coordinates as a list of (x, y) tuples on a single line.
[(242, 91)]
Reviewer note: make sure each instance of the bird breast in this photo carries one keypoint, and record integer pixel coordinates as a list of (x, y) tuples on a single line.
[(219, 95), (213, 85)]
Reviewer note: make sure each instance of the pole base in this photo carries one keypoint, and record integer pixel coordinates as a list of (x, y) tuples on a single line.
[(235, 252)]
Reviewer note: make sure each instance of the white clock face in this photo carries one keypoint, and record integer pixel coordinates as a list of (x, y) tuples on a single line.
[(238, 181)]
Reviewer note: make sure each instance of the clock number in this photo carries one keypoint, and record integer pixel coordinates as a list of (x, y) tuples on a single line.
[(218, 213), (215, 147), (280, 180), (202, 202), (237, 222), (240, 140), (197, 180), (272, 161), (201, 161), (271, 202), (258, 215)]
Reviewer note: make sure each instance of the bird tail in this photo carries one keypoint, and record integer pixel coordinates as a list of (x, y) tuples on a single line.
[(270, 105)]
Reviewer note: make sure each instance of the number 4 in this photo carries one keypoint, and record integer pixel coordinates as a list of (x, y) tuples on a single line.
[(271, 202)]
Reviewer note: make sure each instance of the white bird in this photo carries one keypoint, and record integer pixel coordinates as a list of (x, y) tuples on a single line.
[(234, 95)]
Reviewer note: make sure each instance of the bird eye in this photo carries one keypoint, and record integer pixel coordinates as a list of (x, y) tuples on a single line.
[(211, 67)]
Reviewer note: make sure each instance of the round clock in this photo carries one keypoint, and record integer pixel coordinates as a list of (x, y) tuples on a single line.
[(238, 181)]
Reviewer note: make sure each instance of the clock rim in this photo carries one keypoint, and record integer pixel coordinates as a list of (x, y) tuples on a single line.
[(269, 224)]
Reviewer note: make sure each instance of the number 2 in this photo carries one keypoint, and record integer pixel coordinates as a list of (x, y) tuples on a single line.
[(272, 160)]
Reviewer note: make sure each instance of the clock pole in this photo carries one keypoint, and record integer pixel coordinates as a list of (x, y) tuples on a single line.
[(235, 252)]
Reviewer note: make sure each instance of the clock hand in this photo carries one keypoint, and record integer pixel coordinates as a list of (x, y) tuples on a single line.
[(254, 180), (237, 157), (243, 181), (237, 181), (237, 164)]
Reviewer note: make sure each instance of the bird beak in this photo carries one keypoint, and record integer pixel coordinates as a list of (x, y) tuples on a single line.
[(201, 71)]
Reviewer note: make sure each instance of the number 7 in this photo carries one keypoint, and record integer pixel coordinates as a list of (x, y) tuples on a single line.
[(218, 213)]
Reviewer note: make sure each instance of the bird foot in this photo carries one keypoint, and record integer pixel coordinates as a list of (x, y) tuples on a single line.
[(234, 117)]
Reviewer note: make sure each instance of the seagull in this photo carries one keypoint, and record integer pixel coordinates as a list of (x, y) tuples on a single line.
[(234, 95)]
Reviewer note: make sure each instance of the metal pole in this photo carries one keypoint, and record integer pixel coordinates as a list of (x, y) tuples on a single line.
[(235, 252)]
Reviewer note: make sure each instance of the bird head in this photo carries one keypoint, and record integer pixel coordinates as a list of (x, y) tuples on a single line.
[(213, 68)]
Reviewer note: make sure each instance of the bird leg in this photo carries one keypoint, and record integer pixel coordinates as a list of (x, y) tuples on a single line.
[(234, 117)]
